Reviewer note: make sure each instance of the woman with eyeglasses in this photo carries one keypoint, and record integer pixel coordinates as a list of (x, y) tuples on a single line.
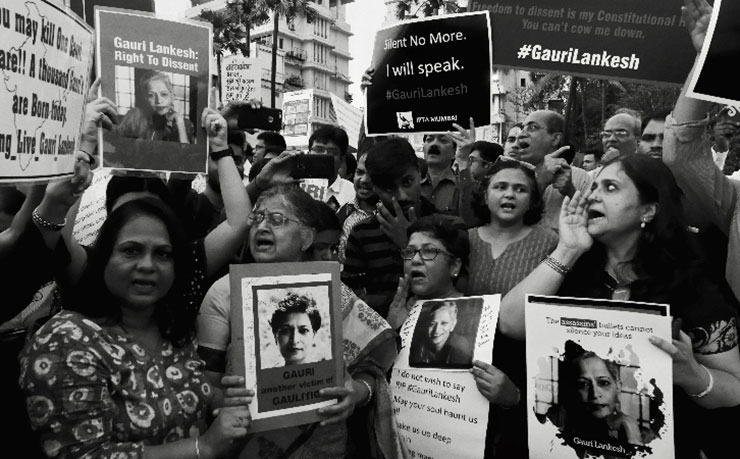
[(433, 259), (627, 240), (282, 229)]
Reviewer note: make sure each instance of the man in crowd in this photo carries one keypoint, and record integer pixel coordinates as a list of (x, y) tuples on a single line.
[(440, 184), (373, 262), (621, 134), (483, 156), (511, 147), (269, 145), (651, 141), (591, 159), (361, 207), (333, 140), (724, 130), (539, 145)]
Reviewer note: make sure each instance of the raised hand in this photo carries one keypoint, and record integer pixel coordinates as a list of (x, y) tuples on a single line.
[(367, 78), (395, 226), (398, 312), (215, 126), (573, 226), (277, 171), (697, 14), (99, 112), (463, 138)]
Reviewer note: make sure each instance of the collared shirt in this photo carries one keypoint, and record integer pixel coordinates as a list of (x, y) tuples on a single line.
[(444, 195), (341, 192), (719, 157)]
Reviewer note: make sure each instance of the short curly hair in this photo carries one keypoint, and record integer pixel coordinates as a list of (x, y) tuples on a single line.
[(294, 303)]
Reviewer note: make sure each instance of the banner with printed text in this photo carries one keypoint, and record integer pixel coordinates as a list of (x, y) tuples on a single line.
[(157, 73), (45, 63), (596, 386), (430, 73), (438, 409), (240, 79), (624, 39)]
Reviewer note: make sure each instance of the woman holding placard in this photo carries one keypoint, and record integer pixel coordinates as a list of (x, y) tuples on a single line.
[(282, 230), (626, 240)]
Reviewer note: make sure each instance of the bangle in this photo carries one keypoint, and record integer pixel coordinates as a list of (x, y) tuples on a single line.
[(90, 158), (710, 384), (369, 391), (197, 447), (45, 224), (556, 265)]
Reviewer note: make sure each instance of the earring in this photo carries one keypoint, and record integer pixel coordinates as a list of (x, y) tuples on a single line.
[(642, 225)]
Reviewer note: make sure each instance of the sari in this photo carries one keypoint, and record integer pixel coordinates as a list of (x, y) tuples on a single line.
[(369, 347)]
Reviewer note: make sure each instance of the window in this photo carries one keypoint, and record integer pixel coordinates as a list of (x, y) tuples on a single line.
[(522, 82), (280, 43), (320, 107)]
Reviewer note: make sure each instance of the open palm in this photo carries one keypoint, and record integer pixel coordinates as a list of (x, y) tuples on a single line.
[(574, 223)]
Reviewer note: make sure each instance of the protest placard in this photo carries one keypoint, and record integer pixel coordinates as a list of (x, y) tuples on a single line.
[(157, 73), (297, 109), (91, 212), (287, 339), (241, 79), (45, 63), (349, 118), (86, 8), (625, 40), (318, 188), (430, 73), (595, 385), (438, 409), (713, 80)]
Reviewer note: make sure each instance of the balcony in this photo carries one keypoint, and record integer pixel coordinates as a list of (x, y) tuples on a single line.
[(294, 81), (339, 75), (297, 54)]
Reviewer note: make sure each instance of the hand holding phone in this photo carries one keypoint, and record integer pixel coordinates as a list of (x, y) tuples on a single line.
[(312, 165), (266, 119)]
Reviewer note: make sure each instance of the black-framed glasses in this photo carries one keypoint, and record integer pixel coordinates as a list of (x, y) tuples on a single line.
[(503, 158), (426, 253), (618, 133), (274, 219), (320, 150)]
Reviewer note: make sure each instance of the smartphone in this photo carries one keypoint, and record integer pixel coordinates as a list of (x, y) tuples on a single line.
[(311, 165), (266, 119)]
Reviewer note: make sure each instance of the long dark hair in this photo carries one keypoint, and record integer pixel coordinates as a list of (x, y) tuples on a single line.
[(666, 257), (92, 297)]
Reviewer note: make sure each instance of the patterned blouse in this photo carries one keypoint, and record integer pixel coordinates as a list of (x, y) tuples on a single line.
[(92, 392)]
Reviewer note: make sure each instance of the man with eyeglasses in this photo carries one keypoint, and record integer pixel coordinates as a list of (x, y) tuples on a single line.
[(269, 145), (333, 140), (540, 145), (620, 136), (480, 161)]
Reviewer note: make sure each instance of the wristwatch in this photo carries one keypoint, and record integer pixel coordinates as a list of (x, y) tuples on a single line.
[(216, 155)]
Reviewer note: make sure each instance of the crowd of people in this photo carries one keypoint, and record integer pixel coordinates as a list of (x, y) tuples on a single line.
[(121, 349)]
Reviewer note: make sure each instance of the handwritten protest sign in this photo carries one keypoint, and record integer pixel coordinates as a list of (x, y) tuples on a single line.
[(45, 61), (439, 411), (157, 73), (287, 373), (430, 73), (627, 39), (590, 367), (240, 79), (713, 80), (297, 109)]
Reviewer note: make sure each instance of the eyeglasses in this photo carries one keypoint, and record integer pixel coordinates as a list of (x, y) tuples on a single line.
[(427, 253), (503, 158), (274, 219), (618, 133), (322, 150)]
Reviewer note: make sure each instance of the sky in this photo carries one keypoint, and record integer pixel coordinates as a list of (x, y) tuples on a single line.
[(364, 16)]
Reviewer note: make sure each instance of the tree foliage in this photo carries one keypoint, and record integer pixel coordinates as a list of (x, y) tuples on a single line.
[(414, 8)]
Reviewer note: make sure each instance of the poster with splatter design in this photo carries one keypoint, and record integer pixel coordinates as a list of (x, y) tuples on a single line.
[(596, 386)]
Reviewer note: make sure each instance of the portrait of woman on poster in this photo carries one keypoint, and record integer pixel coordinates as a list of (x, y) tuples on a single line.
[(156, 118), (294, 325), (590, 406), (438, 345)]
